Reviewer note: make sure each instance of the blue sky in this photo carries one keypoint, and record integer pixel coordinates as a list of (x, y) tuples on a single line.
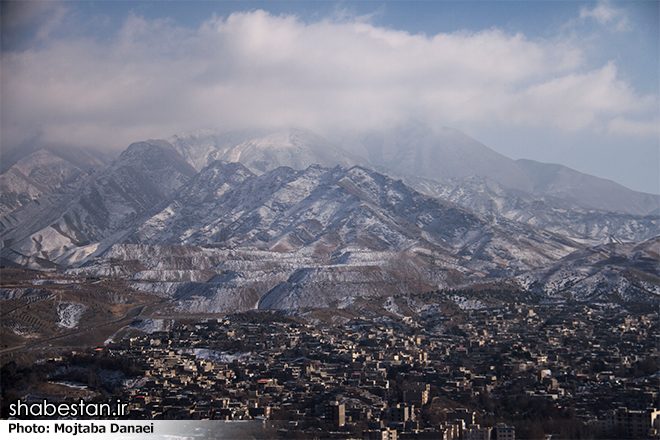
[(567, 82)]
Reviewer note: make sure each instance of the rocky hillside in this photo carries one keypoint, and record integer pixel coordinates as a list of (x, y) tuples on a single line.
[(98, 211), (266, 227)]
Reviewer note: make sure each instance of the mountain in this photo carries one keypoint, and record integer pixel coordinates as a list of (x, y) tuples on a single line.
[(323, 236), (447, 164), (443, 157), (320, 211), (580, 223), (608, 273), (261, 150), (105, 203), (585, 190), (416, 149), (46, 170), (83, 158), (214, 236), (449, 159)]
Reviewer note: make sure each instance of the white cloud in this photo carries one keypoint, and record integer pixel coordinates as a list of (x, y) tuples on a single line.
[(154, 79), (627, 127), (575, 100), (607, 15)]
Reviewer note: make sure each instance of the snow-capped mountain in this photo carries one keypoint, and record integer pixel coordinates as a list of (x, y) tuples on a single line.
[(322, 236), (46, 170), (286, 219), (415, 152), (446, 163), (586, 225), (261, 150), (320, 211), (103, 205)]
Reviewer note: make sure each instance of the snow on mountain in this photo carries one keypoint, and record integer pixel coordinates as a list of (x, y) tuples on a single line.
[(105, 204), (558, 215), (448, 164), (261, 151), (69, 314), (39, 173), (311, 238), (238, 231), (202, 147), (610, 272), (318, 211), (319, 233), (325, 286)]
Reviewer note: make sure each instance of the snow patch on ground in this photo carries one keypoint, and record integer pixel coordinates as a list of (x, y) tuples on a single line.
[(135, 383), (69, 314), (159, 288), (219, 356), (345, 302), (340, 319), (76, 385), (112, 337), (430, 310), (21, 330), (51, 281), (468, 304), (152, 325), (392, 307)]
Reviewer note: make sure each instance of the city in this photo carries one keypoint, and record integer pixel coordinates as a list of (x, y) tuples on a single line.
[(556, 370)]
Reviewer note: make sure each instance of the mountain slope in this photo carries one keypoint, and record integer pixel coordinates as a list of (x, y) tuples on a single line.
[(589, 191), (555, 214), (610, 272), (106, 203), (44, 171), (319, 211), (416, 149), (261, 150)]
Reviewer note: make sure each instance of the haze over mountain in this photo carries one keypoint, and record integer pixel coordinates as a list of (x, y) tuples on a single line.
[(589, 191), (286, 219), (36, 168), (570, 219), (416, 149), (262, 150)]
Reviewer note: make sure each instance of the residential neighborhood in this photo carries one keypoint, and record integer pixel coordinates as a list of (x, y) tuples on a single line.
[(532, 371)]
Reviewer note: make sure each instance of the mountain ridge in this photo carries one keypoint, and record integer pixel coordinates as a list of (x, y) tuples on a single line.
[(226, 237), (590, 191)]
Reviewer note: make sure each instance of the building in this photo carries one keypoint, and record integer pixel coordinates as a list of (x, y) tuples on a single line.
[(417, 394), (476, 432), (336, 413), (462, 414), (503, 432), (401, 413), (380, 434), (631, 423)]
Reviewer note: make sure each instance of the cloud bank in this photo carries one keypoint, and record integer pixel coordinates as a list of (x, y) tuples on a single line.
[(154, 78)]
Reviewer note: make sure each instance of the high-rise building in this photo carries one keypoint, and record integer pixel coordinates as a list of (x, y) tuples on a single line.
[(336, 412)]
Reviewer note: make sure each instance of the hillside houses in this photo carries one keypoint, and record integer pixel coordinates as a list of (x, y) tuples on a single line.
[(409, 378)]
